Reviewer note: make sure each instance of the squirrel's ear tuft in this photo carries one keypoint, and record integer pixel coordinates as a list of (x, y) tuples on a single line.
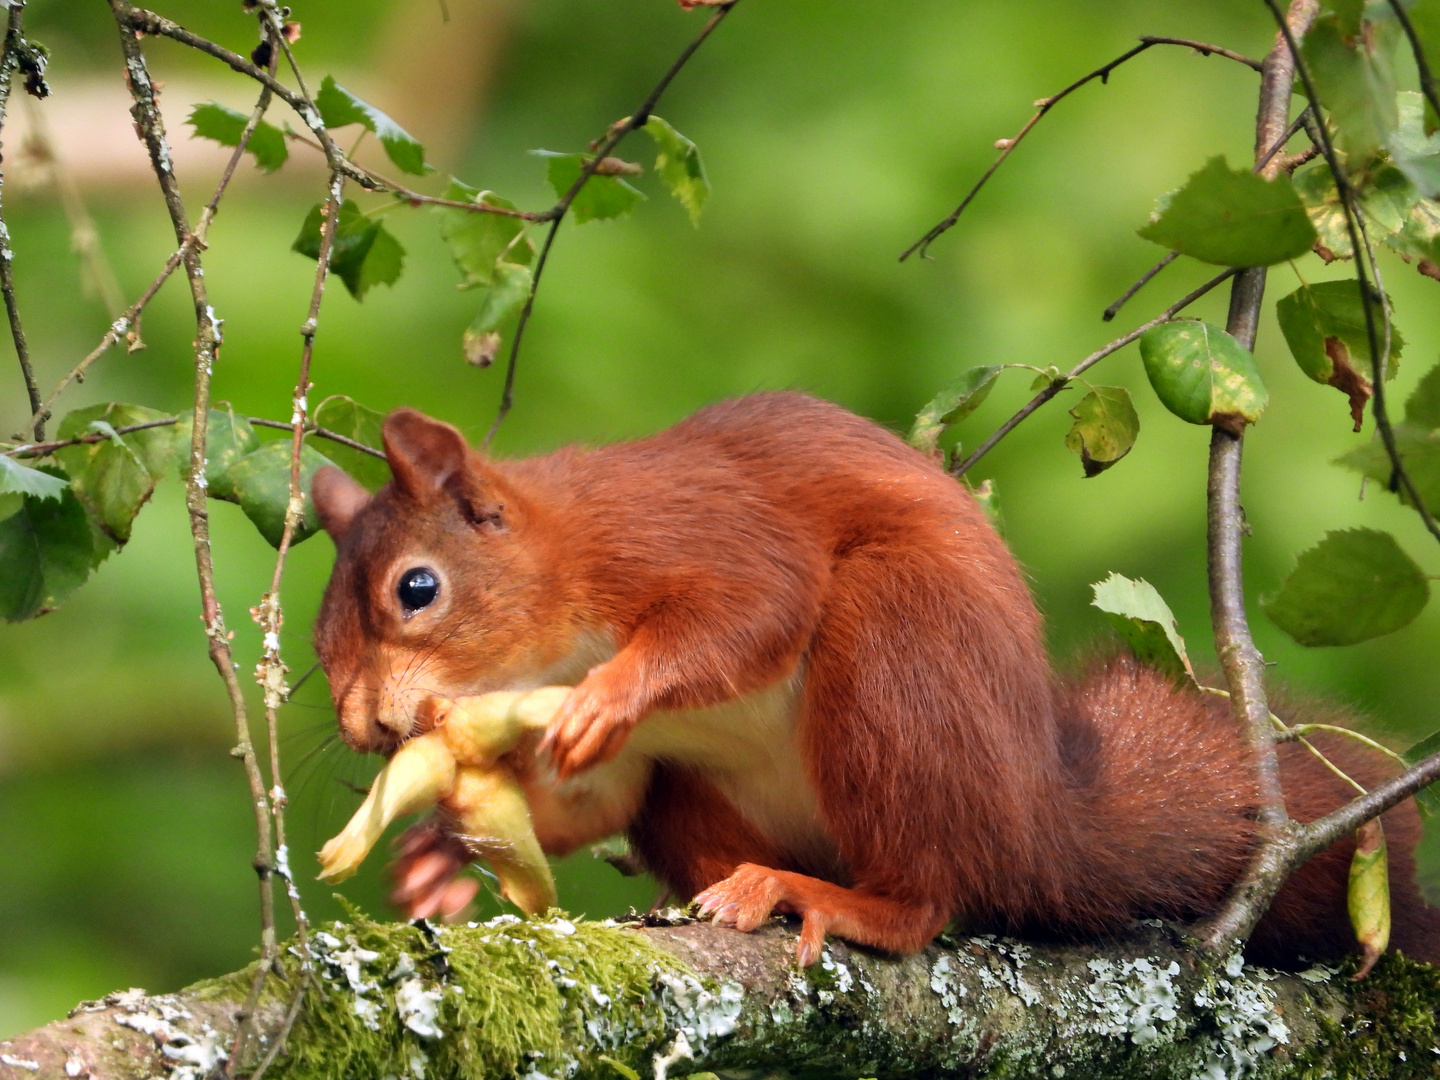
[(338, 498), (425, 455)]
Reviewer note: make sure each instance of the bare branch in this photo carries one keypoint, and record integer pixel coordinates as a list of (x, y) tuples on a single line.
[(1079, 369), (9, 62), (1044, 105), (207, 345), (1241, 661)]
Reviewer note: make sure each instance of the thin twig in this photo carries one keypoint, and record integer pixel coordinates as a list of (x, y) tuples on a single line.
[(1061, 381), (319, 432), (9, 61), (1422, 64), (207, 345), (1044, 105), (507, 393), (279, 1038), (27, 450), (1316, 836), (605, 147), (1145, 278)]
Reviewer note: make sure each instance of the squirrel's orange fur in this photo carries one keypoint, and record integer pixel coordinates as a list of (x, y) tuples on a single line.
[(809, 678)]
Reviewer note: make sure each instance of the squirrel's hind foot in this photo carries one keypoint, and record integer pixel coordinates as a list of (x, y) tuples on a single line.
[(752, 893)]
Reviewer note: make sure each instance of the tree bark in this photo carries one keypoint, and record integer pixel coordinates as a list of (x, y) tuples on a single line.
[(558, 999)]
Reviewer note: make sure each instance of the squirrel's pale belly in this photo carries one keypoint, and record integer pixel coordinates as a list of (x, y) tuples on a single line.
[(747, 747)]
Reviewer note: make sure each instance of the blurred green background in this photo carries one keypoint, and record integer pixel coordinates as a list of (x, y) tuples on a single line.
[(834, 135)]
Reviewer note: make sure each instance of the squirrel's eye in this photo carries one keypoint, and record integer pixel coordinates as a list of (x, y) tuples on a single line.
[(418, 588)]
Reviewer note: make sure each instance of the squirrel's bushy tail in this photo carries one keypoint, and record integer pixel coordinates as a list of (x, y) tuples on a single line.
[(1165, 801)]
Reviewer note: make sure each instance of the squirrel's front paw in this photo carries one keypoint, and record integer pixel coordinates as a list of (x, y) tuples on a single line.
[(588, 729), (426, 874)]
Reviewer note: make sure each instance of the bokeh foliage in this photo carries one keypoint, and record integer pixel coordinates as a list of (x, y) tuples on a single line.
[(833, 136)]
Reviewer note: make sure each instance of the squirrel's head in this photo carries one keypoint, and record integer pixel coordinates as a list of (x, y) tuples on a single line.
[(439, 586)]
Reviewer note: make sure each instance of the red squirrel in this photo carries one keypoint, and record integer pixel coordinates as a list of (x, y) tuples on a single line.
[(809, 679)]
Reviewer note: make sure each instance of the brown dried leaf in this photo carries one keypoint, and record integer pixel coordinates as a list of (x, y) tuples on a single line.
[(1347, 380)]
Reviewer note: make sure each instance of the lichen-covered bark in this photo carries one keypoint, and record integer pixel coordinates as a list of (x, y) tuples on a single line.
[(553, 998)]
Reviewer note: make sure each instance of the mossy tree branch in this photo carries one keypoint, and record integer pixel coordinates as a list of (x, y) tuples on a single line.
[(548, 998)]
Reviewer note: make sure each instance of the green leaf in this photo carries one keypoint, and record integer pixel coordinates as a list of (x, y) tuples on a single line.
[(1368, 895), (1415, 153), (1419, 452), (228, 438), (1105, 428), (957, 401), (260, 484), (1354, 585), (1203, 375), (18, 479), (1422, 407), (346, 416), (1232, 217), (1427, 798), (1355, 79), (364, 252), (601, 197), (1145, 621), (477, 240), (382, 263), (500, 305), (1419, 235), (225, 126), (1340, 313), (1386, 199), (679, 165), (1322, 324), (113, 478), (339, 107), (46, 552)]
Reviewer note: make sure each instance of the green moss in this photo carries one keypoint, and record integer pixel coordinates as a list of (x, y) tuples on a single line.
[(1390, 1031), (472, 1002)]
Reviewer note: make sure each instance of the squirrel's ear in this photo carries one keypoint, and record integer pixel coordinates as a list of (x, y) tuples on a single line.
[(424, 454), (427, 456), (338, 498)]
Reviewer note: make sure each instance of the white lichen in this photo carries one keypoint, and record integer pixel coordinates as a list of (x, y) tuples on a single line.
[(1132, 998), (945, 982), (418, 1007)]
